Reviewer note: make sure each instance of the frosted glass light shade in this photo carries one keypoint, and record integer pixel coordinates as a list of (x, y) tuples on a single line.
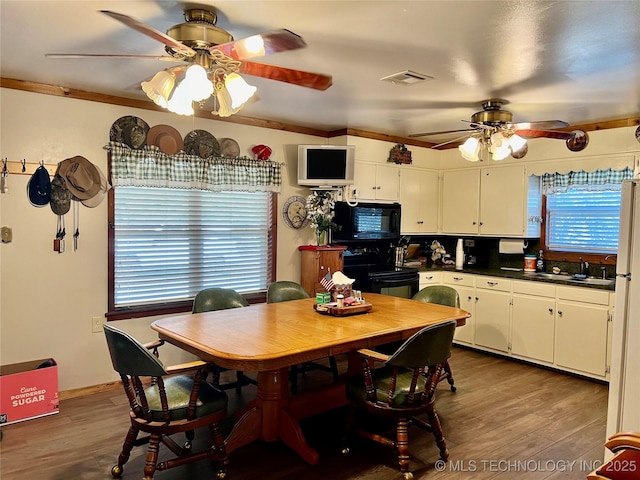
[(224, 101), (516, 142), (239, 90), (159, 87), (181, 101), (470, 149), (198, 84)]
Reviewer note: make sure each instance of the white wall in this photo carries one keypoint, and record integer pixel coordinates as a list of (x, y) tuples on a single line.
[(47, 299)]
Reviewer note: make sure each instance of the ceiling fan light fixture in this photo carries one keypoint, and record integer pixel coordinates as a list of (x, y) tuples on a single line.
[(517, 143), (470, 149), (224, 101), (197, 83), (239, 90), (501, 152), (181, 101), (159, 88)]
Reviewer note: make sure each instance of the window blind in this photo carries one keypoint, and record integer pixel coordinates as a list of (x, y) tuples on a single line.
[(584, 219), (171, 243)]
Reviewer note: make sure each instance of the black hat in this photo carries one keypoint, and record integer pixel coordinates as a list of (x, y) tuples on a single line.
[(39, 187)]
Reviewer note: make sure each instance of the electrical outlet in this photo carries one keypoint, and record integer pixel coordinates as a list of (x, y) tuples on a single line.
[(96, 324)]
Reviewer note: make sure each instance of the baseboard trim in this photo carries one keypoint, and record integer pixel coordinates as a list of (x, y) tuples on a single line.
[(84, 391)]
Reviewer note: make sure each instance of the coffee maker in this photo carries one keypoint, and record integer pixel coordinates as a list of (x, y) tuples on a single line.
[(476, 253)]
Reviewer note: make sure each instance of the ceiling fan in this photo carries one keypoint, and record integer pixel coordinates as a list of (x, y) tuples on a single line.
[(198, 41), (494, 120)]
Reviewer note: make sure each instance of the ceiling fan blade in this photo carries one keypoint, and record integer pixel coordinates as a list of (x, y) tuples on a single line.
[(272, 42), (151, 32), (532, 133), (316, 81), (543, 125), (164, 58), (457, 139), (428, 134)]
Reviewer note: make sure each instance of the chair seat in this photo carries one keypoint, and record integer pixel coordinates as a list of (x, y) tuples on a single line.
[(178, 388), (355, 386)]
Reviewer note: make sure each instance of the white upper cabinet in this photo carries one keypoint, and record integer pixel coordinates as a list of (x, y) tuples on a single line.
[(376, 182), (460, 201), (419, 198), (490, 201)]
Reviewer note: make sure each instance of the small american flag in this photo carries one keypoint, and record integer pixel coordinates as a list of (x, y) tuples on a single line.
[(327, 282)]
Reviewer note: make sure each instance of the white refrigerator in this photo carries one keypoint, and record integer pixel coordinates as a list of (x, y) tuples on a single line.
[(624, 385)]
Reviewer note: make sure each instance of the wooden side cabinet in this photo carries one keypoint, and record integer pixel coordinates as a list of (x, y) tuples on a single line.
[(316, 262)]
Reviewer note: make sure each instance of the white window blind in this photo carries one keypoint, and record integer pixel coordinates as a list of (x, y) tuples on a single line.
[(584, 219), (171, 243)]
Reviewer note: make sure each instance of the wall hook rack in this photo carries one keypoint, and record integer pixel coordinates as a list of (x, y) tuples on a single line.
[(23, 167)]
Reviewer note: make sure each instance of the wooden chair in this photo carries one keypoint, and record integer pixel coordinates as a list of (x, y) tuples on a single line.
[(442, 295), (164, 401), (211, 299), (625, 465), (402, 389), (284, 291)]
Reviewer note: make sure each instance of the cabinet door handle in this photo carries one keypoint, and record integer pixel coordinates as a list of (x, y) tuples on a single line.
[(457, 279), (420, 222), (492, 284), (560, 313), (473, 223), (469, 297), (429, 278), (551, 310), (481, 223)]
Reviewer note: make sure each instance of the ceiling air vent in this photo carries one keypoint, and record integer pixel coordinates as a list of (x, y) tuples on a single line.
[(407, 77)]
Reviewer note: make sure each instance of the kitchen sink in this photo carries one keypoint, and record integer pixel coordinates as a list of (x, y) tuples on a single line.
[(573, 278), (550, 276), (594, 281)]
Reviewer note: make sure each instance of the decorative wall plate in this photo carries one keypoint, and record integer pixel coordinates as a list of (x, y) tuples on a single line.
[(229, 147), (201, 144), (130, 130), (166, 138)]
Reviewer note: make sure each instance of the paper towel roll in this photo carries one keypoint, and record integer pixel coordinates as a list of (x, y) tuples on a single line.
[(507, 245)]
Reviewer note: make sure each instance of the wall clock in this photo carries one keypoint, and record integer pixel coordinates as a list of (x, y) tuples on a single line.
[(294, 212)]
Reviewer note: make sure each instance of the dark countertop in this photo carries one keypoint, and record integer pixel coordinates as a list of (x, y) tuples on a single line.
[(517, 275)]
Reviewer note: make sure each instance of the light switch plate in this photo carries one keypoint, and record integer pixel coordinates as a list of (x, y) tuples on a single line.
[(7, 234)]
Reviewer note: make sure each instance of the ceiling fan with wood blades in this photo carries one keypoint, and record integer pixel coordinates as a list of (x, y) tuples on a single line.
[(198, 41), (493, 119)]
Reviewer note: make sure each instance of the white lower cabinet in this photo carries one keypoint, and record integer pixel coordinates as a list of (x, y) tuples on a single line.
[(566, 327), (533, 318), (493, 302), (582, 330), (464, 284)]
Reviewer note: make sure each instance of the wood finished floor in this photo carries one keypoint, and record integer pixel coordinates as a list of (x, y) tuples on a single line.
[(506, 421)]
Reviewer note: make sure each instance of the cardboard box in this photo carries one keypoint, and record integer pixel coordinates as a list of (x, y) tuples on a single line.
[(28, 390)]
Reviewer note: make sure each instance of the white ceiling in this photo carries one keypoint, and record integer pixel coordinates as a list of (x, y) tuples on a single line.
[(577, 61)]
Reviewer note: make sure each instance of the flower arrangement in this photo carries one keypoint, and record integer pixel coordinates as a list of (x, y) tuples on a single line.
[(320, 213)]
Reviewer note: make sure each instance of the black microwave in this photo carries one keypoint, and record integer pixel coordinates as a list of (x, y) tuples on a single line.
[(367, 221)]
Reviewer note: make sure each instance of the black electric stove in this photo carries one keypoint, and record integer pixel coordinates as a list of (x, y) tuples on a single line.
[(372, 273)]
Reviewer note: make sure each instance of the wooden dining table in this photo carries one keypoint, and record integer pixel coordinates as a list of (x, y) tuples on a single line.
[(268, 338)]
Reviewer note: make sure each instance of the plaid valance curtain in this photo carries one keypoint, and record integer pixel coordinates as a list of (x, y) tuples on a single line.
[(149, 167), (597, 180)]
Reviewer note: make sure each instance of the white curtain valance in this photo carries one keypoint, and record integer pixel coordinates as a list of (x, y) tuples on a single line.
[(149, 167)]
